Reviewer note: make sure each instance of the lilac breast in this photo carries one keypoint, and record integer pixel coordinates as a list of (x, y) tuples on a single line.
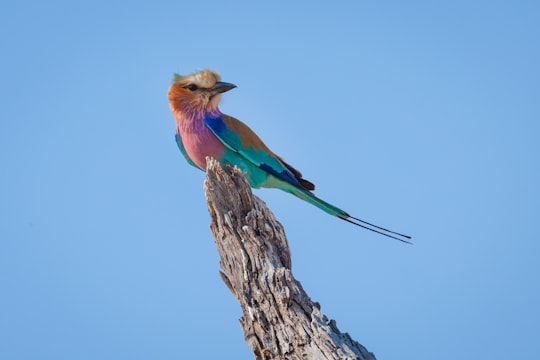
[(199, 142)]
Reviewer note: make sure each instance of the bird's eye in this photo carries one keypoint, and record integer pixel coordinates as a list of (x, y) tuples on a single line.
[(192, 87)]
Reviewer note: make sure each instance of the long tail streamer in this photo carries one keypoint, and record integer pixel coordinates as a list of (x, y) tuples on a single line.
[(381, 231)]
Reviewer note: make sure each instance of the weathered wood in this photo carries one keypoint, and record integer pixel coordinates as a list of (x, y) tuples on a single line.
[(279, 319)]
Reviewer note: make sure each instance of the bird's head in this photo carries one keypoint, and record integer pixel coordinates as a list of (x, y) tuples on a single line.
[(197, 92)]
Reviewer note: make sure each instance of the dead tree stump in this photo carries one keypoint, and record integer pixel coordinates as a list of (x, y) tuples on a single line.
[(279, 319)]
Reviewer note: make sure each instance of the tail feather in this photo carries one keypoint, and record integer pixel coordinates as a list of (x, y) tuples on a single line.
[(343, 215)]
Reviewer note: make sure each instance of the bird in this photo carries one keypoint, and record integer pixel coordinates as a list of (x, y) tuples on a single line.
[(202, 131)]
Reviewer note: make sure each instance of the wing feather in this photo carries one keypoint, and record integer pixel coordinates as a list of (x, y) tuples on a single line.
[(238, 137)]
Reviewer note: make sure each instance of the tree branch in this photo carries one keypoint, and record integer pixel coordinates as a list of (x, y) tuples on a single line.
[(279, 319)]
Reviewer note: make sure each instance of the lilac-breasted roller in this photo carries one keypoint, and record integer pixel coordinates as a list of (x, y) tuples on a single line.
[(202, 130)]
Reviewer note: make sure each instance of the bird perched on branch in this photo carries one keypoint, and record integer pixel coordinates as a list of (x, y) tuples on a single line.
[(202, 130)]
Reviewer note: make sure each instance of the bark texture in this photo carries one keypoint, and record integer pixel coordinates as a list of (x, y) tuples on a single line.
[(279, 319)]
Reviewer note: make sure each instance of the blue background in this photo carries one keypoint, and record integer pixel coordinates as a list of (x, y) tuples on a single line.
[(420, 116)]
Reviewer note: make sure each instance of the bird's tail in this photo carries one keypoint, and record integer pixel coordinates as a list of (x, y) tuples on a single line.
[(343, 215)]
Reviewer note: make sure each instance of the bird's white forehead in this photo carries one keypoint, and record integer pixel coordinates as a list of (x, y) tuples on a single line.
[(203, 79)]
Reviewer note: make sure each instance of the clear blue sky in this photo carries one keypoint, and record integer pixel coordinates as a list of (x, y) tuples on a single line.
[(421, 116)]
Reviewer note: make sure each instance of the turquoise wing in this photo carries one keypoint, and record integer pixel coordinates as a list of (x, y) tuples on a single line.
[(183, 150), (241, 140)]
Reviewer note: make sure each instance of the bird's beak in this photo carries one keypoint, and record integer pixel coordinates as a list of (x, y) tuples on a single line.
[(221, 87)]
